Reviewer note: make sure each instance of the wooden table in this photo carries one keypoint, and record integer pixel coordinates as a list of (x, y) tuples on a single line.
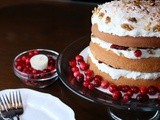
[(50, 24), (30, 24)]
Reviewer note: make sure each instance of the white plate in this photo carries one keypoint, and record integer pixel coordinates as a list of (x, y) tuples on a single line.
[(42, 106)]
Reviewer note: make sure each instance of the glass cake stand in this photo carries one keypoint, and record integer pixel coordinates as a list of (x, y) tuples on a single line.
[(132, 110)]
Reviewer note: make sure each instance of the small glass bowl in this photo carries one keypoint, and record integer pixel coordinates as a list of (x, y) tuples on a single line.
[(33, 77)]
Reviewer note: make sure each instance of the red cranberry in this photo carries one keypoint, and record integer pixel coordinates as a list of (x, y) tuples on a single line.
[(97, 77), (137, 53), (88, 73), (119, 87), (91, 86), (130, 92), (31, 53), (135, 89), (112, 88), (117, 95), (142, 97), (74, 69), (51, 61), (34, 71), (143, 90), (24, 58), (72, 63), (36, 52), (83, 66), (126, 97), (51, 67), (125, 88), (158, 87), (118, 47), (76, 73), (104, 84), (96, 82), (158, 97), (79, 58), (152, 90), (86, 83), (80, 77), (20, 68), (89, 79)]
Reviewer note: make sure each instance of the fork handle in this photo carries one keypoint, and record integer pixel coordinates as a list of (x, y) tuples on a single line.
[(18, 117)]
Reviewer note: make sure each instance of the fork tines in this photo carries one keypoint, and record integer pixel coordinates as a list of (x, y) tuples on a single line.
[(11, 104)]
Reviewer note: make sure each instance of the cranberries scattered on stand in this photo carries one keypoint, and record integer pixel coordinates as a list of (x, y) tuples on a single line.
[(83, 74)]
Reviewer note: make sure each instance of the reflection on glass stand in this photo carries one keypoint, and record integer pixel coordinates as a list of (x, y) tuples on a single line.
[(118, 110), (118, 114)]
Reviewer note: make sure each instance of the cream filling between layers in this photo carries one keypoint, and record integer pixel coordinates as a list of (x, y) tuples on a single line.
[(127, 53), (117, 73)]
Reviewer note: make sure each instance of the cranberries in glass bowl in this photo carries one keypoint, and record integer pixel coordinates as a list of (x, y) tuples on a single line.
[(36, 68)]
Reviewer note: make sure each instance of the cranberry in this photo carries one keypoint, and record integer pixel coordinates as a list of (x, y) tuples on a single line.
[(152, 90), (143, 90), (137, 53), (80, 77), (96, 82), (142, 97), (158, 87), (112, 88), (79, 58), (119, 87), (135, 89), (125, 88), (74, 69), (51, 67), (104, 84), (91, 86), (130, 92), (89, 79), (51, 61), (118, 47), (158, 97), (126, 97), (117, 95), (72, 63), (83, 66), (34, 71), (20, 68), (88, 73), (31, 53), (76, 73), (35, 52), (24, 58), (86, 83)]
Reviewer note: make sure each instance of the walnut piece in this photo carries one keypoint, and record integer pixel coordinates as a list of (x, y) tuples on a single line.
[(126, 1), (101, 15), (151, 2), (156, 28), (136, 2), (108, 19), (148, 27), (127, 27), (132, 19), (150, 51)]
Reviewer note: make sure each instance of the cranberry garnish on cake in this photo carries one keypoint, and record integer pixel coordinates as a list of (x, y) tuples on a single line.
[(125, 47)]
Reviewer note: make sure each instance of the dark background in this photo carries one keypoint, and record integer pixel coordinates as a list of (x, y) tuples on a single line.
[(95, 1)]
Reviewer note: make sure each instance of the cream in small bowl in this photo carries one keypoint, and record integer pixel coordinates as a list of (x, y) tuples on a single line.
[(36, 68)]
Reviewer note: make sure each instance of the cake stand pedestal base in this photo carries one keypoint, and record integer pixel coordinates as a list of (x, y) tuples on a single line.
[(120, 114)]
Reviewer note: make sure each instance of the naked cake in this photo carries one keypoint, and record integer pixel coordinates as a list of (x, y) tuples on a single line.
[(125, 42)]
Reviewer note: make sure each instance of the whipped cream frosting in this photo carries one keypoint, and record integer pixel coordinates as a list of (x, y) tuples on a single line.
[(146, 53), (127, 19), (117, 73)]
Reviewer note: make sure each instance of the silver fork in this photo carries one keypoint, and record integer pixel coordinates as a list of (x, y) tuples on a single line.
[(13, 105)]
